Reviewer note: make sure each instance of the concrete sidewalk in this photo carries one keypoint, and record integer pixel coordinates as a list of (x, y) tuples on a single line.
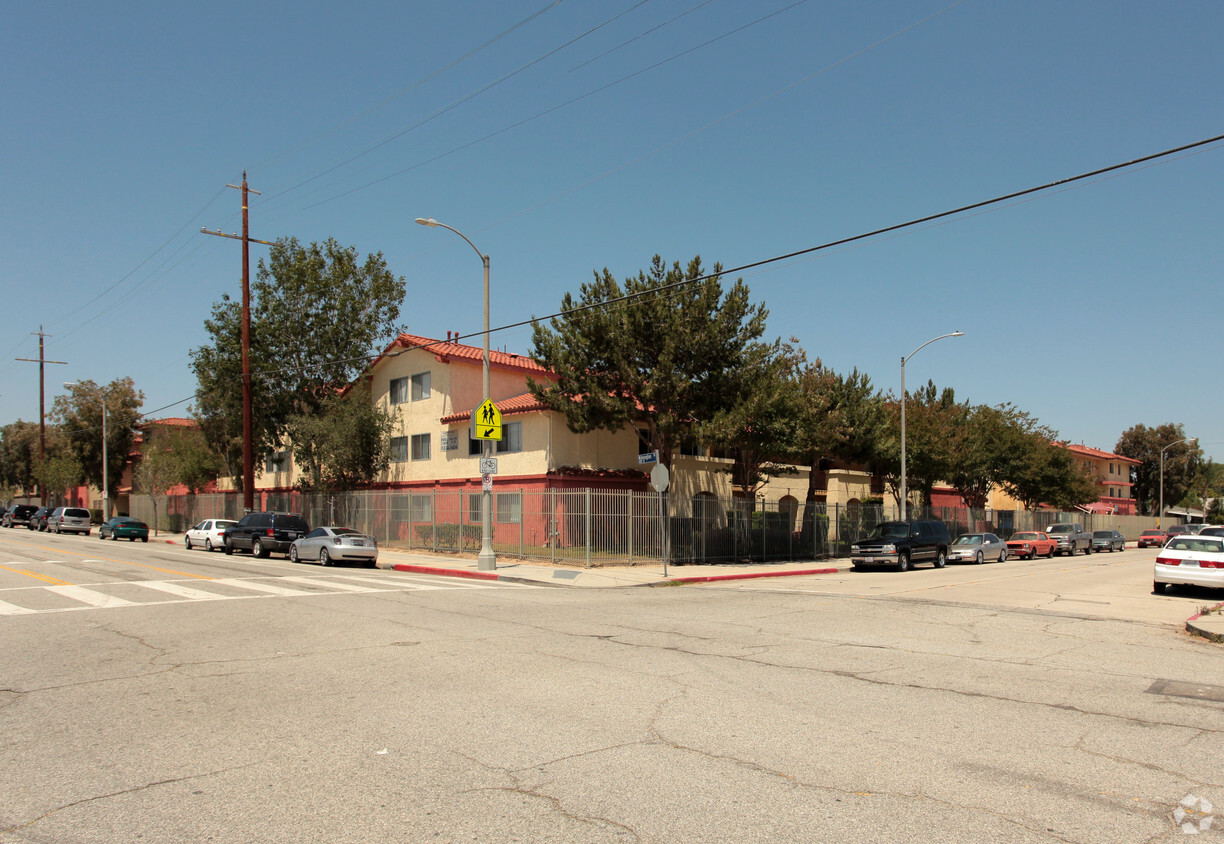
[(1209, 625)]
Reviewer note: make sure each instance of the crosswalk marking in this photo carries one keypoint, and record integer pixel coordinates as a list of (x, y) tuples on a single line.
[(93, 597), (89, 596)]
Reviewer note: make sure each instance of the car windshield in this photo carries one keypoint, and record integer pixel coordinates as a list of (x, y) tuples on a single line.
[(1153, 533), (969, 539), (344, 532), (889, 530), (1026, 536), (1060, 529), (1102, 534)]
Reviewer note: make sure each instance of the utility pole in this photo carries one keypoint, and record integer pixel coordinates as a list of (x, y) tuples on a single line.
[(42, 395), (248, 448)]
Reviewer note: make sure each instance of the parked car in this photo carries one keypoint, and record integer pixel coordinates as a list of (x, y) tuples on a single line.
[(18, 514), (124, 527), (1071, 538), (1150, 538), (902, 544), (38, 519), (209, 533), (1212, 530), (261, 533), (69, 520), (1182, 530), (331, 545), (976, 548), (1108, 540), (1031, 544), (1190, 561)]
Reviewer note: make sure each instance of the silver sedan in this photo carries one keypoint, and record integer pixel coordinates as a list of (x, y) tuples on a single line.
[(977, 547), (329, 545)]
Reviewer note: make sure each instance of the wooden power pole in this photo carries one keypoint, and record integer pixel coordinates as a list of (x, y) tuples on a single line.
[(42, 362)]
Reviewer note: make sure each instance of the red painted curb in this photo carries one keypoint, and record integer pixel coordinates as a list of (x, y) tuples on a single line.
[(713, 577), (474, 575)]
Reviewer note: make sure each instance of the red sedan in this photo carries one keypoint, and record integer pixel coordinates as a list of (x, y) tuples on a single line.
[(1031, 544), (1153, 538)]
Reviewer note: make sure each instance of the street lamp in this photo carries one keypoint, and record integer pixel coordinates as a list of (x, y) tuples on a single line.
[(1160, 515), (904, 490), (105, 478), (486, 560)]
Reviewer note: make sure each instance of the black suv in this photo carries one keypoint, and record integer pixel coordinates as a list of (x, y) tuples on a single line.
[(263, 533), (38, 519), (18, 514), (902, 544)]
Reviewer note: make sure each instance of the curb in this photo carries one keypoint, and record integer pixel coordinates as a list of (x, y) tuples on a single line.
[(1198, 630), (680, 581), (471, 575)]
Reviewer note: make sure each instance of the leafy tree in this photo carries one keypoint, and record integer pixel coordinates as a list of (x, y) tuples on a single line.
[(18, 454), (659, 362), (928, 456), (58, 470), (986, 447), (1181, 461), (1207, 484), (79, 417), (316, 315), (196, 465), (1043, 472), (158, 469), (346, 444)]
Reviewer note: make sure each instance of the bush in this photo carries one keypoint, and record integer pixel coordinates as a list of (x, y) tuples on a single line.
[(447, 535)]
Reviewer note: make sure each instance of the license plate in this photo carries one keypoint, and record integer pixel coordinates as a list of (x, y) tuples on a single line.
[(866, 559), (1191, 563), (359, 542), (292, 535)]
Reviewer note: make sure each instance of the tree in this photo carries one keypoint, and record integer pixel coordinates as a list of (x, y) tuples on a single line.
[(346, 444), (18, 454), (196, 464), (1206, 485), (928, 413), (79, 417), (158, 469), (1181, 461), (317, 313), (1042, 472), (986, 447), (659, 362), (58, 469)]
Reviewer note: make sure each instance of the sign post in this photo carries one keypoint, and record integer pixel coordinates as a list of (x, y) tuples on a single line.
[(660, 478)]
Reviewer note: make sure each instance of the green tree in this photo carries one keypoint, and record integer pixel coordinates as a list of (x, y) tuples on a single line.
[(1042, 472), (1181, 462), (929, 412), (659, 362), (18, 454), (317, 314), (196, 464), (79, 417), (986, 445), (158, 468), (345, 444)]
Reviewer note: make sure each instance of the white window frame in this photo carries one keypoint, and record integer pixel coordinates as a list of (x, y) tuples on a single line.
[(512, 438), (421, 447)]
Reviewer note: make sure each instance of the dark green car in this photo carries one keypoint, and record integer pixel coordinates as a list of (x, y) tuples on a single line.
[(124, 527)]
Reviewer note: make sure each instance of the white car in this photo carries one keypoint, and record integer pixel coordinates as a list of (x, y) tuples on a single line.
[(1189, 560), (330, 545), (207, 534)]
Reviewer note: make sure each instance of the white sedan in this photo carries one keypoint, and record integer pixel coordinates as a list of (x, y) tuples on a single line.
[(1189, 560), (207, 534), (330, 545)]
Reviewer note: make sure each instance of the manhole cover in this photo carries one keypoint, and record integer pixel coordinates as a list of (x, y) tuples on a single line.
[(1195, 691)]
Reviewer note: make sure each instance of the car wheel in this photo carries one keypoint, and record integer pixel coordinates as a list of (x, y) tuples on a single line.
[(903, 561), (1003, 556), (114, 537), (229, 546), (1158, 588), (977, 558), (324, 559), (940, 560), (1087, 550), (208, 546), (187, 542), (293, 554), (257, 548)]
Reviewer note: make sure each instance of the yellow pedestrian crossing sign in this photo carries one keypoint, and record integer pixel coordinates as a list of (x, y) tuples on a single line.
[(487, 422)]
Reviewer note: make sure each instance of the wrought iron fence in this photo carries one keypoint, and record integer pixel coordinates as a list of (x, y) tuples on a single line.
[(594, 527)]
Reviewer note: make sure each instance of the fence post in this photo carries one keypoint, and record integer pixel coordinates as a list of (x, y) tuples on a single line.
[(522, 501), (588, 527), (632, 500), (554, 529)]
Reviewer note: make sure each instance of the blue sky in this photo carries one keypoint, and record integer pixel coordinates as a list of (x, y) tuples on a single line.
[(565, 137)]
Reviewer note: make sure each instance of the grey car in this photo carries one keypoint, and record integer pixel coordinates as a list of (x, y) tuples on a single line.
[(69, 520), (977, 548), (1108, 540), (329, 545)]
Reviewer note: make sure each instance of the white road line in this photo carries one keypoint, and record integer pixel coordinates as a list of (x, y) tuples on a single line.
[(401, 583), (12, 609), (332, 584), (260, 587), (180, 590), (89, 596)]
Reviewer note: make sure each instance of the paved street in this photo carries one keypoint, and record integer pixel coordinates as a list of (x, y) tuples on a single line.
[(972, 703)]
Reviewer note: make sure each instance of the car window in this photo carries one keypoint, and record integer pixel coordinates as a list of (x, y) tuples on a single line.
[(344, 532), (292, 523), (317, 532), (968, 539)]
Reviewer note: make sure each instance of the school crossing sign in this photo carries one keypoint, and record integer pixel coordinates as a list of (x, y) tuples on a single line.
[(487, 422)]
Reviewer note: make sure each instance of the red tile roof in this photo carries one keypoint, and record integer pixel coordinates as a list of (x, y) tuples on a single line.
[(174, 421), (448, 350), (519, 404), (1097, 453)]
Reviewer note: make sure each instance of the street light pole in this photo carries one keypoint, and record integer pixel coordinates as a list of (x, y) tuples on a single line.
[(904, 489), (486, 560), (1160, 515)]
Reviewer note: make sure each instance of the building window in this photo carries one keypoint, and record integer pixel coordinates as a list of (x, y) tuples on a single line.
[(475, 446), (420, 386), (420, 507), (420, 446), (474, 514), (399, 390), (278, 462), (512, 438), (509, 508), (399, 449)]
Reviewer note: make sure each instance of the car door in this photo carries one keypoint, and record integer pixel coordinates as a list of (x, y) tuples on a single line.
[(308, 548)]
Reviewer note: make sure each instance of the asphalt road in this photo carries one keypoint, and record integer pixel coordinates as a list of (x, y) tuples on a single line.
[(404, 708)]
